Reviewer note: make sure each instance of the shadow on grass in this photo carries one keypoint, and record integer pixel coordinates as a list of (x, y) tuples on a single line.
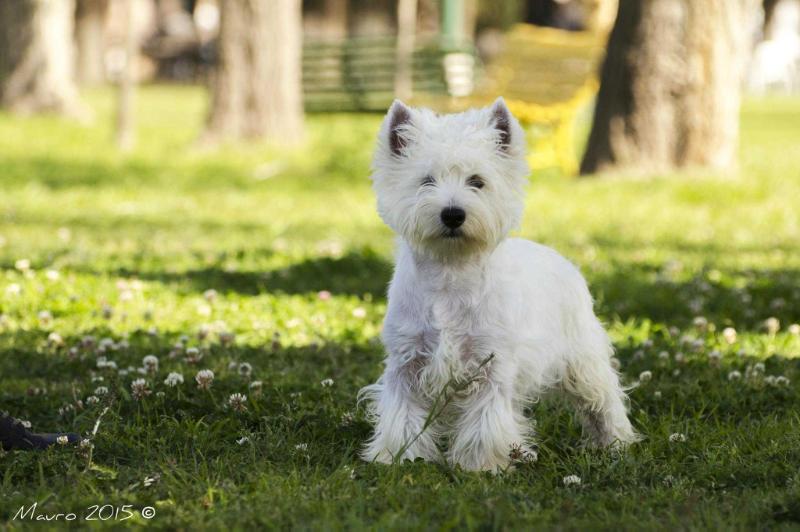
[(356, 273), (744, 298)]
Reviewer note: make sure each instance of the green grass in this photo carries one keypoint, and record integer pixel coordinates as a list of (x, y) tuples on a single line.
[(138, 240)]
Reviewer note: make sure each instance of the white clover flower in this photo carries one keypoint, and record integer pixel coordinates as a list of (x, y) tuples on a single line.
[(86, 445), (571, 480), (794, 329), (55, 339), (700, 322), (645, 376), (302, 447), (45, 316), (772, 324), (680, 358), (23, 265), (714, 357), (326, 383), (226, 337), (734, 375), (677, 437), (769, 380), (256, 386), (210, 295), (780, 380), (173, 379), (13, 289), (237, 402), (663, 355), (92, 400), (101, 390), (150, 363), (204, 379), (657, 394), (729, 334), (52, 275), (359, 312), (139, 389), (245, 369), (62, 440)]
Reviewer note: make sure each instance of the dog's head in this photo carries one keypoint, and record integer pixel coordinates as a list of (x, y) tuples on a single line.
[(452, 184)]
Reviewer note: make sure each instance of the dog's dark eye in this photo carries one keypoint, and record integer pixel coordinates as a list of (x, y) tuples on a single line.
[(475, 181), (428, 181)]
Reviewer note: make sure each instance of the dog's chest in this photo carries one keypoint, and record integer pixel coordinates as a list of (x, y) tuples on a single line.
[(455, 333)]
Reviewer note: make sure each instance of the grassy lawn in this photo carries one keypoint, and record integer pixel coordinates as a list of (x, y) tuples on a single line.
[(276, 261)]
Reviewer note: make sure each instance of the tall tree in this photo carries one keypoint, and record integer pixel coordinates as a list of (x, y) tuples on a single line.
[(404, 53), (670, 86), (90, 36), (127, 82), (257, 87), (37, 56)]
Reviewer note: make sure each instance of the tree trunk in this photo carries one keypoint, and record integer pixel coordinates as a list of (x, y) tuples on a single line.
[(334, 19), (404, 52), (90, 22), (127, 83), (37, 56), (257, 89), (670, 86)]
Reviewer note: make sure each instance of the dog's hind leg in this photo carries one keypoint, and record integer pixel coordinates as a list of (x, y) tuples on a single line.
[(595, 387)]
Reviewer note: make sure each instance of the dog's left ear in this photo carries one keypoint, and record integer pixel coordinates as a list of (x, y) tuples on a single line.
[(501, 121), (399, 117)]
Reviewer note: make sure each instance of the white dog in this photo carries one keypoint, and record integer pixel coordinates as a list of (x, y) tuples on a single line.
[(467, 303)]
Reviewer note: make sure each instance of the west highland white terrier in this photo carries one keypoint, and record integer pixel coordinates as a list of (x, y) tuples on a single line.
[(467, 305)]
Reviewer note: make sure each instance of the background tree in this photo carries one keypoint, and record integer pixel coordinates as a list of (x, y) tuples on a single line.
[(90, 22), (670, 86), (257, 87), (404, 57), (37, 56)]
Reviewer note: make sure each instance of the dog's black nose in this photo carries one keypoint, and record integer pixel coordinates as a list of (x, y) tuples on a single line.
[(453, 217)]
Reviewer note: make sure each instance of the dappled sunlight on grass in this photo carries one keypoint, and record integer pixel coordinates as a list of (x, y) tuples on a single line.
[(269, 266)]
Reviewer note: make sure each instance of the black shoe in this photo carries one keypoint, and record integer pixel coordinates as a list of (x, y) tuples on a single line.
[(14, 436)]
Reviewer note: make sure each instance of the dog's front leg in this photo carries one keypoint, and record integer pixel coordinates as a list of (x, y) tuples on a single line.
[(489, 426), (399, 412)]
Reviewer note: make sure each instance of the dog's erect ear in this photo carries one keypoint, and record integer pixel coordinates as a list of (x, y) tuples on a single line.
[(501, 121), (399, 116)]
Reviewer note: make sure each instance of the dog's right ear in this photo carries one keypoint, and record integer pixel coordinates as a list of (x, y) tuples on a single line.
[(399, 117)]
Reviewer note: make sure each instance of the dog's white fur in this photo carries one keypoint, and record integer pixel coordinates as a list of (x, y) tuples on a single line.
[(453, 302)]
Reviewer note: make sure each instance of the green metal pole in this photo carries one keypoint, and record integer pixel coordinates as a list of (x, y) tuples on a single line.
[(452, 24)]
